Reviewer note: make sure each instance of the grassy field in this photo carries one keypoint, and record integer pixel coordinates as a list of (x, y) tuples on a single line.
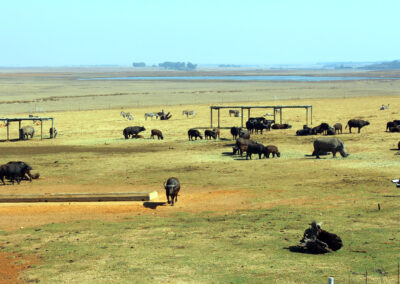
[(235, 220)]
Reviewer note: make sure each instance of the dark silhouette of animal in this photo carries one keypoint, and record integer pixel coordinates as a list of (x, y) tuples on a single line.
[(244, 134), (258, 124), (194, 133), (338, 127), (16, 170), (210, 133), (241, 145), (305, 131), (172, 187), (53, 132), (234, 112), (25, 132), (394, 129), (330, 131), (281, 126), (132, 131), (324, 127), (217, 131), (317, 130), (356, 123), (391, 124), (398, 145), (235, 132), (329, 144), (254, 149), (158, 133), (137, 136), (271, 149)]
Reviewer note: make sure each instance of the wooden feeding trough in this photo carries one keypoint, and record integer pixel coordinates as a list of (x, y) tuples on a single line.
[(78, 197)]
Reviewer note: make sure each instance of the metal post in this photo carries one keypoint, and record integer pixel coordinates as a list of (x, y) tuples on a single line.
[(218, 119), (248, 113), (211, 109), (280, 114), (311, 115), (8, 131), (19, 126), (52, 126), (306, 115), (41, 129), (242, 115), (274, 115)]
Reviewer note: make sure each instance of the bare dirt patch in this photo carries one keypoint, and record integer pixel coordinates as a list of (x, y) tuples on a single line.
[(12, 265)]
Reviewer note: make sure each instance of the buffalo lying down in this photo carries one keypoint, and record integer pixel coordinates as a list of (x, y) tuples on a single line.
[(17, 171)]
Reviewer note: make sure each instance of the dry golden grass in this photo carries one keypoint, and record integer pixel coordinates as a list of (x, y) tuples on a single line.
[(241, 213)]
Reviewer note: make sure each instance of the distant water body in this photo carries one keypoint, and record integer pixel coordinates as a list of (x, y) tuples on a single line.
[(244, 78)]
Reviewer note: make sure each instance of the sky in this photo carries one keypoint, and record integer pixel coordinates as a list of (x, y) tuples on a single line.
[(251, 32)]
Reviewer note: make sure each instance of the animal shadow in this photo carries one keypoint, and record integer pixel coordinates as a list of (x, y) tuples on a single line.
[(298, 249), (153, 205), (227, 153)]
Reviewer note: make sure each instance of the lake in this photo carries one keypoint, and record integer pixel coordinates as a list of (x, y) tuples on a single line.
[(244, 78)]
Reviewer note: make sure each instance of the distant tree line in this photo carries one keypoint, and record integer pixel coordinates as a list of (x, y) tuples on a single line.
[(228, 65), (384, 66), (139, 64), (178, 66)]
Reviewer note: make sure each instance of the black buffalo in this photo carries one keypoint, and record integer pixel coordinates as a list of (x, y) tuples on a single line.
[(210, 133), (254, 149), (16, 170), (194, 133), (235, 132), (172, 187), (133, 131), (356, 123)]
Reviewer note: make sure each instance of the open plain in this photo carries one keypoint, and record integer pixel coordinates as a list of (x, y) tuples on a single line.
[(235, 219)]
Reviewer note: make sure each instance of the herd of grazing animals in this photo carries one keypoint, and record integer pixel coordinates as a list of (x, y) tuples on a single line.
[(17, 171)]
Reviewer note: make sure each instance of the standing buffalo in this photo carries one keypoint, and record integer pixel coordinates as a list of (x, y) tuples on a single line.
[(254, 149), (235, 132), (53, 132), (210, 133), (338, 127), (132, 131), (325, 144), (172, 187), (194, 133), (158, 133), (357, 123), (245, 134), (16, 171), (26, 131), (271, 149)]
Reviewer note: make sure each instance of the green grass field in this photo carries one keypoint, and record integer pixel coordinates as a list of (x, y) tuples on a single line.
[(235, 220)]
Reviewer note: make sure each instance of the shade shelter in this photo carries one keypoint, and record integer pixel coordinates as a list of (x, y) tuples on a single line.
[(277, 110), (8, 120)]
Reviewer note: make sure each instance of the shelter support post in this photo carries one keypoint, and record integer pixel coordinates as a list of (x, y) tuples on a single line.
[(274, 115), (52, 126), (241, 114), (218, 118), (311, 115), (248, 113), (41, 129), (280, 115), (307, 116), (211, 116), (8, 130)]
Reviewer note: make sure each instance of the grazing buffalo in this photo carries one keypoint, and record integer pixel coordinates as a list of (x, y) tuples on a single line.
[(324, 127), (357, 123), (172, 187), (194, 133), (254, 149), (218, 132), (271, 149), (158, 133), (245, 134), (16, 170), (26, 131), (329, 144), (338, 127), (210, 133), (133, 131), (317, 130), (235, 132), (241, 145), (53, 132), (281, 126)]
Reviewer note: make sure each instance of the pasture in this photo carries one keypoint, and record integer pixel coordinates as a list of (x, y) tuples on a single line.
[(235, 220)]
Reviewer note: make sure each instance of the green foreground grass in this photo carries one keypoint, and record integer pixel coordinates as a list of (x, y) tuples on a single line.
[(242, 247)]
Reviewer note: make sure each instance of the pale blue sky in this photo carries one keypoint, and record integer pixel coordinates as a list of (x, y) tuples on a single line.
[(86, 32)]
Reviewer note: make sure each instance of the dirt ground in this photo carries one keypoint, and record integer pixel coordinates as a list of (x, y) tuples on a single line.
[(11, 266)]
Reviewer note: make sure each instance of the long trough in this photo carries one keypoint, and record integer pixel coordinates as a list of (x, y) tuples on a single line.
[(78, 197)]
